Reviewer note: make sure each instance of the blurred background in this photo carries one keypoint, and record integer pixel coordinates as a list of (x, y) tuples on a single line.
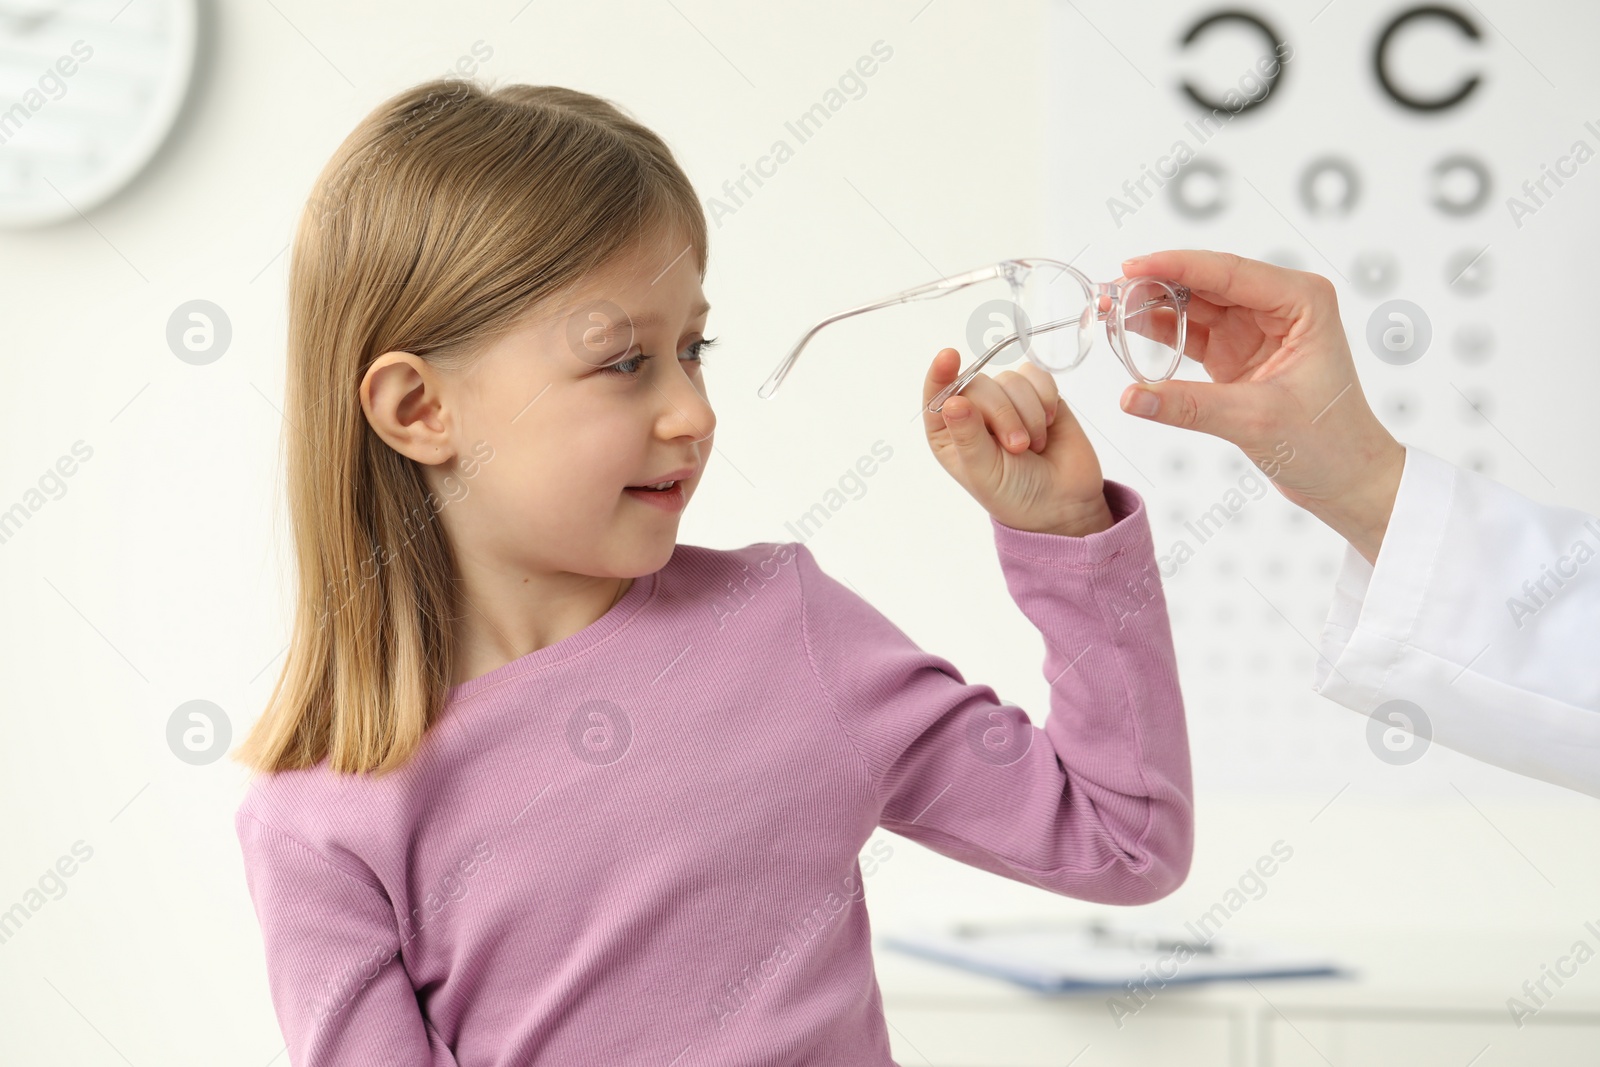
[(154, 159)]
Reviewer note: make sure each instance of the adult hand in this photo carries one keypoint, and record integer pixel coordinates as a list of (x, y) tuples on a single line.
[(1013, 443), (1282, 382)]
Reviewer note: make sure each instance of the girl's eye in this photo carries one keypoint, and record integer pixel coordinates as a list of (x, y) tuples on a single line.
[(628, 368), (697, 350)]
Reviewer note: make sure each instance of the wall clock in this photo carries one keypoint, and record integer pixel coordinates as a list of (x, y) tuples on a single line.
[(89, 89)]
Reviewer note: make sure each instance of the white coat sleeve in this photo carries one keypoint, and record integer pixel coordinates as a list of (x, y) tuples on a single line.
[(1483, 610)]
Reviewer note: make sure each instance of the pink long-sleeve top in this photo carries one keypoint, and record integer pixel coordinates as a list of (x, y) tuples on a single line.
[(643, 844)]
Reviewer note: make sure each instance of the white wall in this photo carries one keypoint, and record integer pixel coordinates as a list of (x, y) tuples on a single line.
[(159, 577)]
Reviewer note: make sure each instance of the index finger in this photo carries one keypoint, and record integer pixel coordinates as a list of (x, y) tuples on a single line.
[(1224, 278)]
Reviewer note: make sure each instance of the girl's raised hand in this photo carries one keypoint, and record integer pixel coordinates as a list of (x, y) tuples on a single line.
[(1047, 480)]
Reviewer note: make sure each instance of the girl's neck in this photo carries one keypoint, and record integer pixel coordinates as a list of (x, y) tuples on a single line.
[(504, 626)]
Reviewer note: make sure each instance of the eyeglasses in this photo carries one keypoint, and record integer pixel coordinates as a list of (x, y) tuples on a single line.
[(1048, 320)]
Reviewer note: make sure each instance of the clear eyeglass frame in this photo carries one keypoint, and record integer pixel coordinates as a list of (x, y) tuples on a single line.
[(1103, 302)]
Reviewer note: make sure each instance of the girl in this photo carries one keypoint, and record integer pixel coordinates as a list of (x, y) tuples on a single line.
[(541, 785)]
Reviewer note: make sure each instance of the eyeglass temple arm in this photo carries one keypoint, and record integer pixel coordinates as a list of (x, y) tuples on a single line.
[(1010, 339), (932, 289), (1013, 338)]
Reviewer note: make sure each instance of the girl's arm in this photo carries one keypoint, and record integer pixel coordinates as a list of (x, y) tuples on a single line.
[(1097, 803), (338, 983)]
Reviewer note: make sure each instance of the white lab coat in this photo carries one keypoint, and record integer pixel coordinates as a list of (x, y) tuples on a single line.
[(1483, 610)]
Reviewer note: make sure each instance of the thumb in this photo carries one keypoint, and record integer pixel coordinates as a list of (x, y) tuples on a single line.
[(1223, 410), (972, 440)]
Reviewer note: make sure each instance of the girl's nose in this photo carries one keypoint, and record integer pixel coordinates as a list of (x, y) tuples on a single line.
[(687, 413)]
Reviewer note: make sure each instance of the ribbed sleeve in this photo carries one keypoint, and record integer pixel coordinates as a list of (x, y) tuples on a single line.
[(339, 985), (1097, 803)]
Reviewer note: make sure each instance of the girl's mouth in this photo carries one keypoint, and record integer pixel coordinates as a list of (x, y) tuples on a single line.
[(671, 499)]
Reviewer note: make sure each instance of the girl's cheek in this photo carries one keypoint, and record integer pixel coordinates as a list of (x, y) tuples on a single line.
[(454, 488)]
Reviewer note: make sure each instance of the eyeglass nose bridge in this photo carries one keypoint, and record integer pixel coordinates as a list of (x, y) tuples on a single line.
[(1108, 294)]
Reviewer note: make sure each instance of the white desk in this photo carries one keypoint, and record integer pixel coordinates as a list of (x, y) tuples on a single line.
[(1420, 1000), (1444, 909)]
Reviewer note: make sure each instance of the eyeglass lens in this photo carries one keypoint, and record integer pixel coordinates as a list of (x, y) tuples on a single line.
[(1148, 337)]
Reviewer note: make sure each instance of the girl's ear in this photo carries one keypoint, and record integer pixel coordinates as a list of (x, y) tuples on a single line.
[(403, 399)]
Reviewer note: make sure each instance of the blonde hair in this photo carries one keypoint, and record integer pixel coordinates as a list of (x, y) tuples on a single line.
[(441, 220)]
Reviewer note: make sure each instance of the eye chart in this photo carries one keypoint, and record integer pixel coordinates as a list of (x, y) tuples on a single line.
[(1439, 164)]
